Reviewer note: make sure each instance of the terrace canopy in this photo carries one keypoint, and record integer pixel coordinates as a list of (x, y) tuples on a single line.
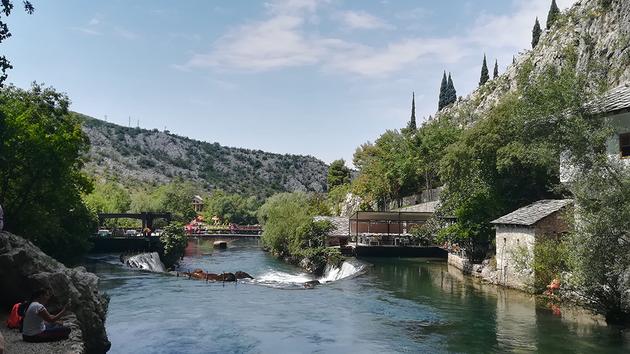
[(380, 226)]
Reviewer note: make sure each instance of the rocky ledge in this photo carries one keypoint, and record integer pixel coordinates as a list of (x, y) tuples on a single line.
[(24, 267)]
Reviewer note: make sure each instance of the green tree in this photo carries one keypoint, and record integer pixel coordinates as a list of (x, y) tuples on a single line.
[(600, 247), (451, 96), (411, 126), (554, 13), (510, 158), (338, 174), (44, 145), (109, 197), (484, 72), (231, 208), (176, 197), (174, 242), (536, 32), (496, 69), (443, 99), (290, 232), (6, 6)]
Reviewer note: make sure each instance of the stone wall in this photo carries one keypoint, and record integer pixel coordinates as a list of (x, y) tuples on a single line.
[(515, 249)]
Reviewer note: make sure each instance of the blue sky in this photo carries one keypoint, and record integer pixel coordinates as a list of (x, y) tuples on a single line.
[(289, 76)]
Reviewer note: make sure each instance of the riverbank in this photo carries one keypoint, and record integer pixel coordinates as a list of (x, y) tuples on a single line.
[(15, 345), (24, 268)]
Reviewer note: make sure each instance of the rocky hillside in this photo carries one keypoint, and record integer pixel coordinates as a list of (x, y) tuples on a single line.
[(135, 156), (597, 32)]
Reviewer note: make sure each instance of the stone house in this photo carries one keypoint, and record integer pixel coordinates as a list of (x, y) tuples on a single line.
[(517, 234), (614, 108)]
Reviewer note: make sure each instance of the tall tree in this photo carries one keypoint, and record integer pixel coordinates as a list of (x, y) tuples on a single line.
[(496, 69), (443, 92), (554, 12), (484, 72), (536, 33), (412, 127), (42, 149), (451, 92), (338, 174), (5, 9), (513, 59)]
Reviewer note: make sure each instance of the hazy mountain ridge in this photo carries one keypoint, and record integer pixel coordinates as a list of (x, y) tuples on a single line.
[(135, 156)]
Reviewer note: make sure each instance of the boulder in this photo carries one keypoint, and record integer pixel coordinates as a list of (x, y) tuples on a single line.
[(24, 268), (227, 277), (242, 275), (311, 284)]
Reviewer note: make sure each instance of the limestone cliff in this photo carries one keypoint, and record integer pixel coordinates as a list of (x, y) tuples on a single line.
[(597, 31), (24, 267)]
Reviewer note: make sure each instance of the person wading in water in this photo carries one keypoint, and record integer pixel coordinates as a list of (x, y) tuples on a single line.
[(39, 325)]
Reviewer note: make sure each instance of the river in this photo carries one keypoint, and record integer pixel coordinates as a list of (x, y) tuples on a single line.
[(395, 306)]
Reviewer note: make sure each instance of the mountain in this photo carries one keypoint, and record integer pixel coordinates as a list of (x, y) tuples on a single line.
[(596, 33), (137, 157)]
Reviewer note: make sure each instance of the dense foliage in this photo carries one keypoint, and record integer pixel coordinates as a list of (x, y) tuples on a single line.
[(41, 182), (510, 158), (600, 245), (174, 242), (291, 233), (231, 208), (338, 174)]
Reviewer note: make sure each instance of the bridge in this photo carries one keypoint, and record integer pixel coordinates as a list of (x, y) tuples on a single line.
[(146, 217)]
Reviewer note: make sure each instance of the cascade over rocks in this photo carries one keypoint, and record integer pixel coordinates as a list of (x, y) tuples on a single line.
[(24, 267)]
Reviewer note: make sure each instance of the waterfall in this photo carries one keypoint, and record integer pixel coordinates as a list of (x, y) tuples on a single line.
[(349, 268), (145, 261)]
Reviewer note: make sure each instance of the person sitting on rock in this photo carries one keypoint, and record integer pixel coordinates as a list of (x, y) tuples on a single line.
[(39, 325)]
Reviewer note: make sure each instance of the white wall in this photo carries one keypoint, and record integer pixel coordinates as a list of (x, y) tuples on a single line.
[(511, 241)]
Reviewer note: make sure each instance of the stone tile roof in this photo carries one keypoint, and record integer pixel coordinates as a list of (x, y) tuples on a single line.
[(531, 214), (341, 224), (614, 100), (428, 207)]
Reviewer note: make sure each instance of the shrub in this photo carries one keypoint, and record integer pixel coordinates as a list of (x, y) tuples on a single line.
[(174, 242)]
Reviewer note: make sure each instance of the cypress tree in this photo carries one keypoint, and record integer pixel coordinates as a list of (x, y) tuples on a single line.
[(412, 122), (443, 88), (513, 59), (484, 72), (536, 33), (554, 12), (496, 69), (451, 96)]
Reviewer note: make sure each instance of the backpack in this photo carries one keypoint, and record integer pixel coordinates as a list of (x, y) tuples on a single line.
[(16, 317)]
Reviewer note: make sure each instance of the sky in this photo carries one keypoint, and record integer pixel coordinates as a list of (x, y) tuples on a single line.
[(310, 77)]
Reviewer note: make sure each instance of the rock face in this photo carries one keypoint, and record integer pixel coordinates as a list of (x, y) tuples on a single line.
[(24, 267), (599, 36)]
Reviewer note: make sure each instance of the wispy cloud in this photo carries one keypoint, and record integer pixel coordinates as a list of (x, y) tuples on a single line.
[(363, 20), (125, 33), (285, 39)]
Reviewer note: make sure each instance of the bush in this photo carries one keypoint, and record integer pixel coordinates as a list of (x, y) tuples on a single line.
[(174, 242)]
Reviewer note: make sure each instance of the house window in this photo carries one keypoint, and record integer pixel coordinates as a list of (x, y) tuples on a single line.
[(624, 144)]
